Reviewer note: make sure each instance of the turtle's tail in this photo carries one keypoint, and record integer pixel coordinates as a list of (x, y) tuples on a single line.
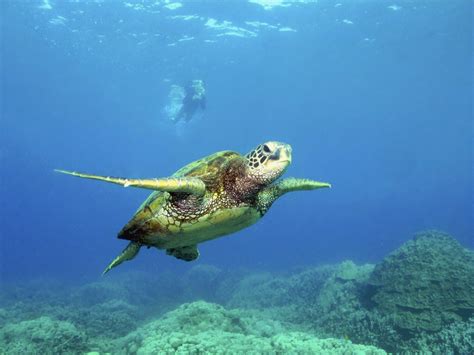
[(128, 253)]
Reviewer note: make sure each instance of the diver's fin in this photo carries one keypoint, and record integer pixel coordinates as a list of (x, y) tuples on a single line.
[(189, 185), (188, 253), (128, 253)]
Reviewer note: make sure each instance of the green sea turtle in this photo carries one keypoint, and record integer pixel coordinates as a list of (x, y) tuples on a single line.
[(209, 198)]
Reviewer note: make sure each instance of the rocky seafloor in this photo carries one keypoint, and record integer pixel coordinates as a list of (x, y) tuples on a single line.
[(419, 299)]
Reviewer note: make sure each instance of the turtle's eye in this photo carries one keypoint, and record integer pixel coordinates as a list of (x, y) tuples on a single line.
[(266, 149)]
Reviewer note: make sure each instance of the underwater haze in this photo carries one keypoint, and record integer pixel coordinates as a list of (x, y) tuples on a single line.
[(374, 97)]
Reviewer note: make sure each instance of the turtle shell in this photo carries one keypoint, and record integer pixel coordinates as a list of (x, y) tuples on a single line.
[(169, 220), (209, 169)]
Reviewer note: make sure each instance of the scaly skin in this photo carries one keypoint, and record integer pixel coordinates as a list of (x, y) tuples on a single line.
[(271, 193)]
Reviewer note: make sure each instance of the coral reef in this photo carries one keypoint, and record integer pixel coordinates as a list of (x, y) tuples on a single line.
[(202, 327), (286, 297), (457, 338), (109, 319), (341, 300), (425, 284), (305, 286), (333, 306), (259, 290), (138, 288), (419, 299), (42, 335)]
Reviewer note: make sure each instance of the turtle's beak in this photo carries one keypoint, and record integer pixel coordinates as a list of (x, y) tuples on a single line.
[(283, 153)]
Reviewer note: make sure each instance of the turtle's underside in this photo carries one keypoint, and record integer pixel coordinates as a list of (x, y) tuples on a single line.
[(211, 197)]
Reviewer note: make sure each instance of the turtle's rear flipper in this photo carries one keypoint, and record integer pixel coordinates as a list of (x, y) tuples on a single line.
[(189, 253), (128, 253)]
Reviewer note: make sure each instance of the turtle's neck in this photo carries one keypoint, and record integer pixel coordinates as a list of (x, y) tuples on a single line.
[(240, 185)]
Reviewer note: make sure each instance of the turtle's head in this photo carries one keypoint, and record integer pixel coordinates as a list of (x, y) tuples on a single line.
[(269, 161)]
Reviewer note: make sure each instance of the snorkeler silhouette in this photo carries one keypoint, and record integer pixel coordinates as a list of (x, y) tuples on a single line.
[(194, 99)]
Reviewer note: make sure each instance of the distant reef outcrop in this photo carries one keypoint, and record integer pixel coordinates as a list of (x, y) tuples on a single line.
[(418, 299), (425, 284)]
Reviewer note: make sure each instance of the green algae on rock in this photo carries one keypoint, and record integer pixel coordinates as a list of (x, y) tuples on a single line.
[(426, 284)]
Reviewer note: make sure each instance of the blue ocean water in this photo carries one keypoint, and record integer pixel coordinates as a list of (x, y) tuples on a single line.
[(374, 97)]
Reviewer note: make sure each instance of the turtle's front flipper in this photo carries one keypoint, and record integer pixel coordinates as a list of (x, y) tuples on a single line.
[(293, 184), (128, 253), (268, 195), (189, 185)]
